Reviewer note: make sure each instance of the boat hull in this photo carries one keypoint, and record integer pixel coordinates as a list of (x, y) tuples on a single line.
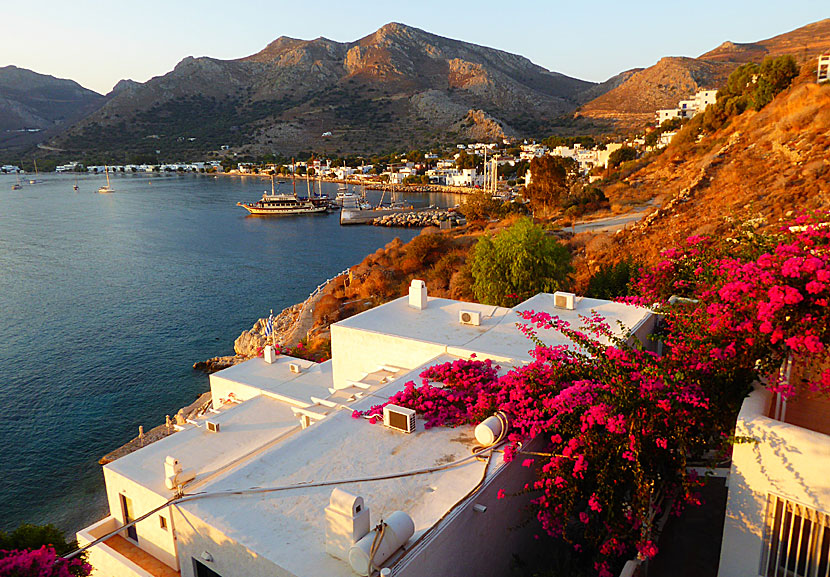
[(265, 211)]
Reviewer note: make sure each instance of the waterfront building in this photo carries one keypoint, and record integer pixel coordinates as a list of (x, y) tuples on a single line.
[(263, 464)]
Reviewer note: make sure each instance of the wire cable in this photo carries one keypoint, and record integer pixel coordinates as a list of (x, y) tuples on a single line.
[(266, 490)]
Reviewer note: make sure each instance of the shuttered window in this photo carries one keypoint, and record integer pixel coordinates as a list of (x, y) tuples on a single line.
[(797, 540)]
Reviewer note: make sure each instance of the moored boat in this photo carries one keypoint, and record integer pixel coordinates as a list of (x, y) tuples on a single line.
[(106, 189), (280, 204)]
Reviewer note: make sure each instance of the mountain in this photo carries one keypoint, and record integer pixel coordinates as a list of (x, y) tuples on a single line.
[(760, 167), (803, 43), (396, 88), (632, 104), (29, 100)]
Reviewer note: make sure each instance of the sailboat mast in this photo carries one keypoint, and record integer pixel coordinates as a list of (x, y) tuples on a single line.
[(294, 177)]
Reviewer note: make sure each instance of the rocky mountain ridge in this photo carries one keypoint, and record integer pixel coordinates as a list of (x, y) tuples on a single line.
[(29, 100), (395, 88)]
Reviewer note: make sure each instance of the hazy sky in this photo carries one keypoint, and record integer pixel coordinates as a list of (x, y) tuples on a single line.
[(98, 43)]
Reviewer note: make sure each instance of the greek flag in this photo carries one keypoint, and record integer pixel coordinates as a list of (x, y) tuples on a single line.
[(269, 325)]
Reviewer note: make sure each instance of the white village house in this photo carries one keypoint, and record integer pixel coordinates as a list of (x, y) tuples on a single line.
[(285, 482), (688, 108), (279, 425)]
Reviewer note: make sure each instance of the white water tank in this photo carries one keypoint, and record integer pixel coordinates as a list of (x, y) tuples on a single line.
[(489, 430), (399, 529)]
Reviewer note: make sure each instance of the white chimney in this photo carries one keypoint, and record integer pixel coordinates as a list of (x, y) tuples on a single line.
[(418, 295), (347, 521)]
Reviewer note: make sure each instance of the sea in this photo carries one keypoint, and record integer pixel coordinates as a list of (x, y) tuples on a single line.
[(107, 300)]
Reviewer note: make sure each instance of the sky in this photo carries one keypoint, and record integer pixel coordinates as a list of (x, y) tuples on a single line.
[(99, 43)]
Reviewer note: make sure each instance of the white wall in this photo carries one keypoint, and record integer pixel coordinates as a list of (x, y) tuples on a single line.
[(357, 352), (158, 542), (789, 461), (471, 543), (229, 557)]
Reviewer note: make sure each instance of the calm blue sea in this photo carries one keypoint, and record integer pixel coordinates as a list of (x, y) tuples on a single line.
[(106, 301)]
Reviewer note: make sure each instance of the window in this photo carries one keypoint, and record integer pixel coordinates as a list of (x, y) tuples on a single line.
[(163, 522), (202, 570), (797, 540)]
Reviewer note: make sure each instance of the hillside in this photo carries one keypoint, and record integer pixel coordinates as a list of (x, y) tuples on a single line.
[(803, 43), (29, 100), (396, 88), (631, 105), (762, 166), (634, 101)]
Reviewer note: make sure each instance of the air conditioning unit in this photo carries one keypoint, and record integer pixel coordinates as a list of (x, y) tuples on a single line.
[(469, 318), (399, 418), (294, 368), (563, 300), (212, 427)]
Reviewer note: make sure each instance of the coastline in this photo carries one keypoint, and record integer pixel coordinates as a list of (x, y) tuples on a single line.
[(370, 185)]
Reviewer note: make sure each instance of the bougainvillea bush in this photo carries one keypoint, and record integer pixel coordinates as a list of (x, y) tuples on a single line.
[(42, 562), (620, 423)]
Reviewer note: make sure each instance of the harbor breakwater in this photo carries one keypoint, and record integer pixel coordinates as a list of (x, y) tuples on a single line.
[(421, 218)]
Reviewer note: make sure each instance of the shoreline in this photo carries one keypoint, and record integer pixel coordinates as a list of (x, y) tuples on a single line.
[(372, 185)]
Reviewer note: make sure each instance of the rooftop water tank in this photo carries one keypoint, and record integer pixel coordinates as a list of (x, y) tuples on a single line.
[(399, 529)]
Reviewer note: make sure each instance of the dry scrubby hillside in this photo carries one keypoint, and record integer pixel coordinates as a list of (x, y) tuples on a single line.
[(631, 105), (761, 166)]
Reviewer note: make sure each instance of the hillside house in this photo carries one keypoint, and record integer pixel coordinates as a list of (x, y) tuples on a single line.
[(823, 70), (262, 467)]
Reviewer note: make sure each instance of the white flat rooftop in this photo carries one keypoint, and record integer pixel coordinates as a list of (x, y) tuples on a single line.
[(276, 380), (288, 528), (438, 323), (243, 428), (506, 340)]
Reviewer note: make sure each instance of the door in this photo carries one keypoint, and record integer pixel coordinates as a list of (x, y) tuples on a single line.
[(127, 510)]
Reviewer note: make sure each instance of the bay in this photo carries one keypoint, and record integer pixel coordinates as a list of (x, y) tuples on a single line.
[(106, 301)]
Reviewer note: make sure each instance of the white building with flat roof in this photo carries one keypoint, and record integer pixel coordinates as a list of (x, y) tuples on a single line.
[(253, 489), (778, 509)]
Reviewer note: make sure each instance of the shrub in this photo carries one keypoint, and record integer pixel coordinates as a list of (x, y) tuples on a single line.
[(623, 154), (517, 263), (611, 281)]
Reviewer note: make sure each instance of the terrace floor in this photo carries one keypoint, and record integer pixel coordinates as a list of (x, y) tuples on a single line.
[(140, 557)]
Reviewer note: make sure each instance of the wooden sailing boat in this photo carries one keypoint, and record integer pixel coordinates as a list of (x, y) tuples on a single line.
[(107, 188), (75, 186), (17, 186)]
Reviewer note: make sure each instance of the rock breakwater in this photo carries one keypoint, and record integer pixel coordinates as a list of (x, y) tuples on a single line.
[(421, 218)]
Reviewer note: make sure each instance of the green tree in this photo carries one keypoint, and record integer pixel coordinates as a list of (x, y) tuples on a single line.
[(621, 155), (465, 160), (517, 263), (551, 180), (612, 281)]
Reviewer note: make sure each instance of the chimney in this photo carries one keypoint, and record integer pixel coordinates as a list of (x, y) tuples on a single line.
[(418, 295)]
